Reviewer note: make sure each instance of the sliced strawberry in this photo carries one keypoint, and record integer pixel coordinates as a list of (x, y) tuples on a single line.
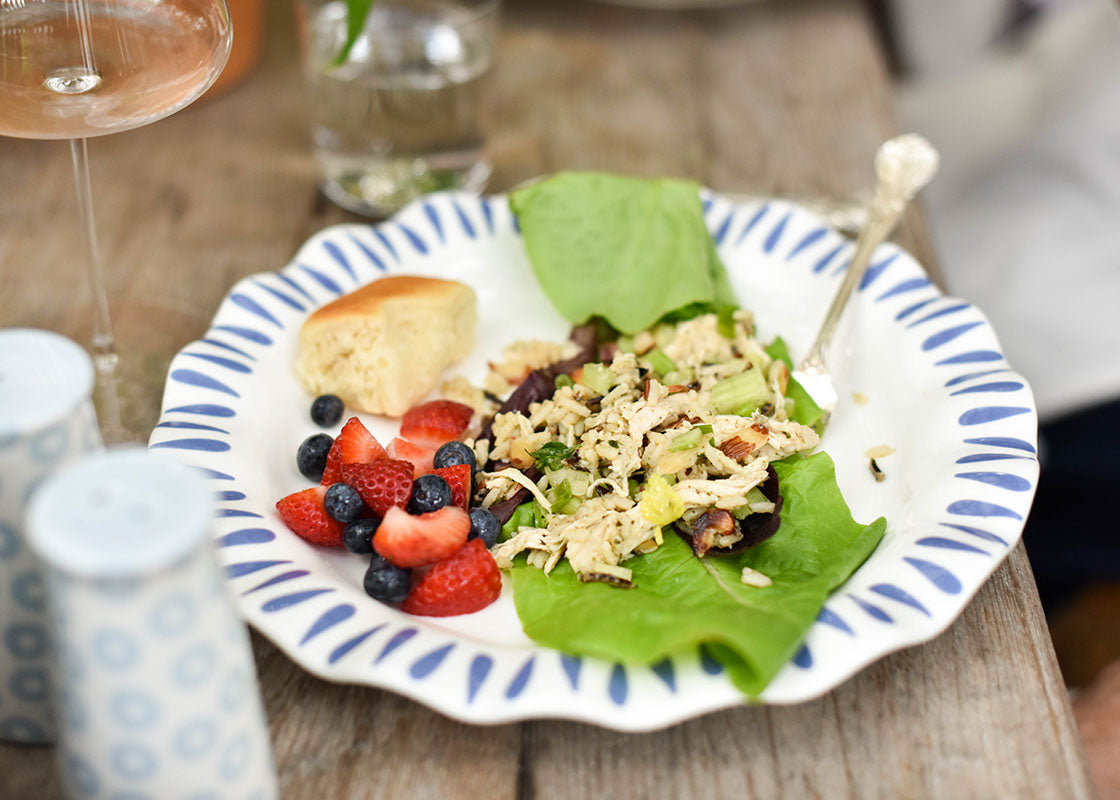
[(436, 422), (458, 477), (383, 483), (353, 445), (421, 457), (413, 540), (303, 512), (466, 582)]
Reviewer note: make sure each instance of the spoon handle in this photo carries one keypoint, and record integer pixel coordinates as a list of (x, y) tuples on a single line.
[(903, 165)]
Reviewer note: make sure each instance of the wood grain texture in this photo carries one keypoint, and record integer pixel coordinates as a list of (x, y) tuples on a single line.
[(947, 719), (786, 98), (353, 742)]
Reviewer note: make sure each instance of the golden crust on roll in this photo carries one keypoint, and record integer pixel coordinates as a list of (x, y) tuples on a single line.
[(381, 348)]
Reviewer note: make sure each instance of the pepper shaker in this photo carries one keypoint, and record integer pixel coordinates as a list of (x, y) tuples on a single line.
[(158, 694), (46, 419)]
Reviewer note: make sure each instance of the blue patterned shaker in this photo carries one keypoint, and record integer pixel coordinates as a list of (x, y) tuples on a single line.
[(46, 419), (158, 693)]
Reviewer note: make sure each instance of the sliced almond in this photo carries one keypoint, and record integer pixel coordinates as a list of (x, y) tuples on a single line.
[(672, 463), (735, 448)]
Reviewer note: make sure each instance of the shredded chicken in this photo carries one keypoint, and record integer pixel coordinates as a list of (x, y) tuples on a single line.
[(518, 478), (639, 427), (600, 534)]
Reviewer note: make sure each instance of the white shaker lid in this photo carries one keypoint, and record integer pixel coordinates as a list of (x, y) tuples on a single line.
[(119, 513), (43, 377)]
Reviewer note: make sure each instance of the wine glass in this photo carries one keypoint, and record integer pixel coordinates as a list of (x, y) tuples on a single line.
[(74, 69)]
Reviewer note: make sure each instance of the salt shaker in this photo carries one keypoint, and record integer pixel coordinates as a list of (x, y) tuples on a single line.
[(46, 419), (157, 686)]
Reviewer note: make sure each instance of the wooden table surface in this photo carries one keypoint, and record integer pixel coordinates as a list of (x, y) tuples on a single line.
[(789, 98)]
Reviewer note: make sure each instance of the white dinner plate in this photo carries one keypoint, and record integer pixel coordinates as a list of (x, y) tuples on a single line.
[(916, 371)]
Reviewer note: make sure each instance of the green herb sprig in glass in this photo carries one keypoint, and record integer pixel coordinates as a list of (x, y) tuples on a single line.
[(356, 13)]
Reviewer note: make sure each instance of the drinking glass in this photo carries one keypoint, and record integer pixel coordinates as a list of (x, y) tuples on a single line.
[(73, 69), (398, 114)]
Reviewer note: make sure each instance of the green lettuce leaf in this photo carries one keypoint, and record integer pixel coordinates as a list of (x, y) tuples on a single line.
[(629, 250), (805, 408), (681, 602), (526, 515)]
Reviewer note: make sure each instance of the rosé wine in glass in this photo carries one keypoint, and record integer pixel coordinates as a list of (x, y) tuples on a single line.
[(70, 70), (73, 69)]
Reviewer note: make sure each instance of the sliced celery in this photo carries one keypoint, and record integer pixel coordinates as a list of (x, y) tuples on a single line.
[(597, 377), (755, 495), (562, 500), (755, 503), (659, 362), (688, 440), (681, 376), (741, 394), (578, 480)]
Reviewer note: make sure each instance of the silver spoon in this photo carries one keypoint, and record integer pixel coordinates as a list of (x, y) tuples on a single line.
[(903, 165)]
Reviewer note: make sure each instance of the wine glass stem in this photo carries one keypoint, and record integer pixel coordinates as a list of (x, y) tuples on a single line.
[(104, 352), (105, 358)]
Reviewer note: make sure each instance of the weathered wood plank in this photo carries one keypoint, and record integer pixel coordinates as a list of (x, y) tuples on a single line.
[(354, 742), (979, 712)]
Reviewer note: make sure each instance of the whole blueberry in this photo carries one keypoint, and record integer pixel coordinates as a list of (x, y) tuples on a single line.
[(484, 526), (385, 581), (311, 458), (326, 410), (343, 502), (429, 493), (454, 453), (357, 537)]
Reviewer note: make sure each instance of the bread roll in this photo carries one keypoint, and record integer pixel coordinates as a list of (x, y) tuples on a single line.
[(382, 348)]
